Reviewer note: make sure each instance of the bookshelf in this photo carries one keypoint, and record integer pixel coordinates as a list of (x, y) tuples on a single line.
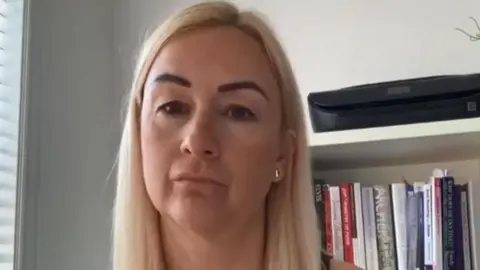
[(403, 144), (388, 155)]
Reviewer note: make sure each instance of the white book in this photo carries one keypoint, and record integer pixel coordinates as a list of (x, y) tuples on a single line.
[(370, 229), (359, 253), (337, 234), (427, 223), (399, 203)]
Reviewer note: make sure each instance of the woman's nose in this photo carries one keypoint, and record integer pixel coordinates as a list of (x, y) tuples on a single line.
[(200, 139)]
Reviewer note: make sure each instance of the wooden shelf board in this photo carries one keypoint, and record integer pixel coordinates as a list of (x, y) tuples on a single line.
[(415, 143)]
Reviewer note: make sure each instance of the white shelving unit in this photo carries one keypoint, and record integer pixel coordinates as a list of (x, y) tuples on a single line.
[(397, 145), (389, 154), (392, 154)]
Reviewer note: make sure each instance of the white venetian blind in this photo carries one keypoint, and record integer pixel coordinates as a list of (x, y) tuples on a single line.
[(11, 24)]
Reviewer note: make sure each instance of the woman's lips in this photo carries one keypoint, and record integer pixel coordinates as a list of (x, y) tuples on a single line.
[(197, 179)]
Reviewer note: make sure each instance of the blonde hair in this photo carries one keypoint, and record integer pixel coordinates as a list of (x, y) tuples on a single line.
[(292, 239)]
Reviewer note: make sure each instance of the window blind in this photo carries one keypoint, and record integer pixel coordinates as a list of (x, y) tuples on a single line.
[(11, 18)]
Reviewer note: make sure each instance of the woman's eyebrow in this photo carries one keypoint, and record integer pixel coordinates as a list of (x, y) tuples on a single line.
[(171, 78), (228, 87), (242, 85)]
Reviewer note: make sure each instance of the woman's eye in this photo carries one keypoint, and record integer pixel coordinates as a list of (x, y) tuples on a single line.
[(173, 108), (240, 113)]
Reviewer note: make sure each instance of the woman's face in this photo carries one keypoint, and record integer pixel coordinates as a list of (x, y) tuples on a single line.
[(210, 129)]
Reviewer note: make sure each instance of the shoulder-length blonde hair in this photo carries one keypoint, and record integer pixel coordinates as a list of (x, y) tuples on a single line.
[(291, 229)]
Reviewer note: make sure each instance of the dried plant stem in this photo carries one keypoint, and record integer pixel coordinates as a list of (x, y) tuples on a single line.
[(473, 37)]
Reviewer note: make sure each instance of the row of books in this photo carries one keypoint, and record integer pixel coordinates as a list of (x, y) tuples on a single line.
[(398, 226)]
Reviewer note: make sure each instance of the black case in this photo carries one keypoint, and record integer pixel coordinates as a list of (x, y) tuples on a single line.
[(399, 102)]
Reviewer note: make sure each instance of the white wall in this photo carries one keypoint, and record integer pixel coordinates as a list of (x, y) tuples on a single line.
[(133, 19), (81, 60), (334, 44), (71, 135)]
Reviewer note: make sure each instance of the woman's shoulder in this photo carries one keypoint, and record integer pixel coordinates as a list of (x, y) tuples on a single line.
[(332, 264)]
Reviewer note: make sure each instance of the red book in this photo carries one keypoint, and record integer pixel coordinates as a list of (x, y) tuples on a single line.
[(328, 219), (346, 204)]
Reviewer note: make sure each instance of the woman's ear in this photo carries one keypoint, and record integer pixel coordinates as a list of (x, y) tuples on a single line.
[(286, 147)]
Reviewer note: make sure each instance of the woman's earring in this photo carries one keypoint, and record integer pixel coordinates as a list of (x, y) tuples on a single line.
[(277, 175)]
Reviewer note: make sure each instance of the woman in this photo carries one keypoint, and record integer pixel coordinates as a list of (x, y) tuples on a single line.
[(213, 165)]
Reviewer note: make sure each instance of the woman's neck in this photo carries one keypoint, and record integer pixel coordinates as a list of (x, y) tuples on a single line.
[(241, 247)]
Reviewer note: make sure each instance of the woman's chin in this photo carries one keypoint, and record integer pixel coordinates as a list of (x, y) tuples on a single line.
[(198, 213)]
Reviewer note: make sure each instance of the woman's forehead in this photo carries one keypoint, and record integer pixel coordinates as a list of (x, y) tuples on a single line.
[(223, 53)]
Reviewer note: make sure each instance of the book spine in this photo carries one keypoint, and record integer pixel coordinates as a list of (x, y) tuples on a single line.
[(457, 227), (353, 223), (412, 219), (319, 207), (345, 202), (336, 214), (437, 223), (360, 240), (427, 213), (467, 261), (328, 219), (418, 187), (473, 211), (447, 213), (370, 229), (385, 235), (399, 197)]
